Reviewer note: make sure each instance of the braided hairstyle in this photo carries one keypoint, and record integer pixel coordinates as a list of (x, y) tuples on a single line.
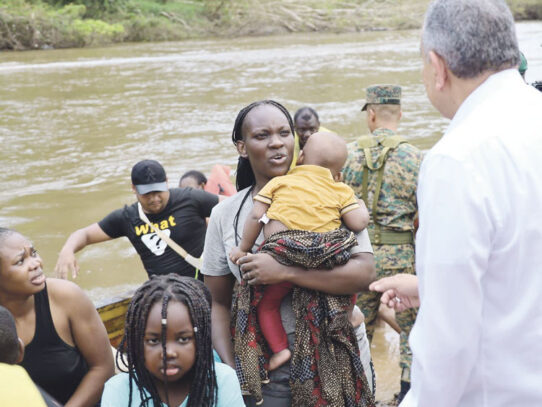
[(197, 298), (245, 175)]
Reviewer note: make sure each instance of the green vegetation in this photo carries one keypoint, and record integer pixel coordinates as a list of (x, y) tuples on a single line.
[(526, 9), (35, 24)]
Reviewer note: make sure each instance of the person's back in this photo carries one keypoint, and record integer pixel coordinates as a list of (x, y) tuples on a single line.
[(478, 245), (389, 154), (383, 170), (504, 165)]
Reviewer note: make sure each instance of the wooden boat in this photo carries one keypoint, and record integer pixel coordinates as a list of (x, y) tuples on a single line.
[(112, 312)]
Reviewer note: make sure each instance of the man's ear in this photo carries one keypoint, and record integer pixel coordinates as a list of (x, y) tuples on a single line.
[(241, 148), (21, 350), (371, 115), (440, 70), (134, 189)]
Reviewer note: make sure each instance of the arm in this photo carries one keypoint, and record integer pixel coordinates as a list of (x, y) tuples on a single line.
[(365, 211), (251, 231), (252, 227), (399, 291), (350, 278), (357, 219), (89, 336), (221, 288), (77, 241)]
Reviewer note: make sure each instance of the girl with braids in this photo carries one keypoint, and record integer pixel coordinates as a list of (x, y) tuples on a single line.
[(167, 348), (263, 135), (67, 352)]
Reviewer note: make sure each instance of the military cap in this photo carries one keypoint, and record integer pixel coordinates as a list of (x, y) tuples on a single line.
[(383, 95)]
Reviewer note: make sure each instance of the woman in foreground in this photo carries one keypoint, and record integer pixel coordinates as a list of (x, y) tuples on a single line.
[(263, 135), (168, 351)]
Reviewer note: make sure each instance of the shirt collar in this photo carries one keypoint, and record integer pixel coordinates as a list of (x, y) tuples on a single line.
[(498, 80), (383, 132)]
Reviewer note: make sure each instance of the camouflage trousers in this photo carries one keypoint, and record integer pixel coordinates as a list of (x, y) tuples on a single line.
[(391, 260)]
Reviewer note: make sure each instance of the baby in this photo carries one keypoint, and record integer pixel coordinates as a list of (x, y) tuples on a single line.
[(302, 213)]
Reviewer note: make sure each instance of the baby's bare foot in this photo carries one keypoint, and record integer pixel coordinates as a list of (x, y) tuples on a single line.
[(279, 358)]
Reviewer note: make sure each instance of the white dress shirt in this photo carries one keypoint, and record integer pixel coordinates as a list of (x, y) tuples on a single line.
[(477, 340)]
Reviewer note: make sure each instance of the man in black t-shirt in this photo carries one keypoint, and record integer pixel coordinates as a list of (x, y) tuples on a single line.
[(178, 213)]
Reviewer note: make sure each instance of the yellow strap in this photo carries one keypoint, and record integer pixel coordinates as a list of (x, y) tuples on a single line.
[(380, 236), (367, 142), (196, 263), (392, 141)]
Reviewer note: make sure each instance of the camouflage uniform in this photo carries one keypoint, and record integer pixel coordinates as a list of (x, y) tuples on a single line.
[(394, 212)]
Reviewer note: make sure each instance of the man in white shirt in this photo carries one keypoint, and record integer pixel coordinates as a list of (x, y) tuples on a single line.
[(477, 340)]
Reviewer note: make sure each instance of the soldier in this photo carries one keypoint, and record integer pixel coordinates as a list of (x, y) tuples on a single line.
[(383, 170)]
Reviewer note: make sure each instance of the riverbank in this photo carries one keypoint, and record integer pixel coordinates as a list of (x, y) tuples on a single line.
[(45, 24)]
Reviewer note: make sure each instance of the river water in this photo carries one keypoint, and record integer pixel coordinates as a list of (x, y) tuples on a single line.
[(73, 122)]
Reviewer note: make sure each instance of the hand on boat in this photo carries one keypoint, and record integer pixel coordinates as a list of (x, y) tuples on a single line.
[(261, 268), (399, 292), (66, 262)]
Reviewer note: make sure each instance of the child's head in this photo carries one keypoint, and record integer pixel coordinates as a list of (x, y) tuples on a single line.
[(327, 150), (193, 179), (168, 322), (11, 347)]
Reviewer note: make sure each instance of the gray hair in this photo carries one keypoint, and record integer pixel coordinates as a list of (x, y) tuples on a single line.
[(473, 36)]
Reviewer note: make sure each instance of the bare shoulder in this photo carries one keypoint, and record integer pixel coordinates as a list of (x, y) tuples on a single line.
[(58, 288), (65, 292)]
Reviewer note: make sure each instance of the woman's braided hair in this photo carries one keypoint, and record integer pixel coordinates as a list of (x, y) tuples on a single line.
[(245, 175), (197, 298)]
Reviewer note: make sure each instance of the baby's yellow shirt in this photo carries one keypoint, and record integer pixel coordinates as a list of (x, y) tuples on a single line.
[(17, 389), (308, 198)]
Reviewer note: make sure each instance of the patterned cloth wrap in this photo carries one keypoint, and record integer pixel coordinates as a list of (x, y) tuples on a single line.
[(325, 369)]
